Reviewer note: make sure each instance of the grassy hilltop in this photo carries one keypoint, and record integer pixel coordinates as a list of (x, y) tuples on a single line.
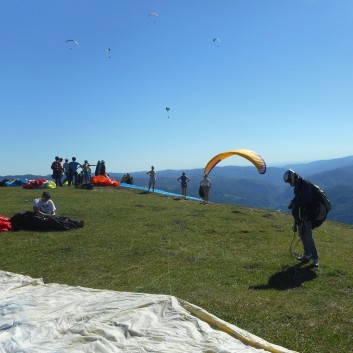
[(232, 261)]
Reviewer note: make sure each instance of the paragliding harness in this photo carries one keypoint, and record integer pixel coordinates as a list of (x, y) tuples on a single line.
[(318, 209), (56, 170), (28, 220), (316, 212), (201, 192)]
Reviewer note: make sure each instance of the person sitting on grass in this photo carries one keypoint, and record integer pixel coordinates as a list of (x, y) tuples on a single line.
[(44, 206), (43, 217)]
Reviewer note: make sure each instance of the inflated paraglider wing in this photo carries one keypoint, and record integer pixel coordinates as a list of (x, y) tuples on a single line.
[(251, 156), (71, 43), (72, 40)]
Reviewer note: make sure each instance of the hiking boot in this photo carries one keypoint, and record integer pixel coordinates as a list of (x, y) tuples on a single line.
[(304, 259), (316, 262)]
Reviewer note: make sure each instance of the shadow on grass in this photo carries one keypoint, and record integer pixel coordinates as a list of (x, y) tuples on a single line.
[(289, 278)]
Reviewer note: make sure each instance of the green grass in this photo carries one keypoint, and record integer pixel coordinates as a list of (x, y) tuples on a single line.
[(232, 261)]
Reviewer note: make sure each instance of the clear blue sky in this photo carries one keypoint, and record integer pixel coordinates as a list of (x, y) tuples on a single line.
[(279, 83)]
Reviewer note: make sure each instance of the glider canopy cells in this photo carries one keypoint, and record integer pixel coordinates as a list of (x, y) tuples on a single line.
[(72, 40), (251, 156)]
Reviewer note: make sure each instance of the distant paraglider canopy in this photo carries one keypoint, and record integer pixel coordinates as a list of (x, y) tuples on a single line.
[(108, 51), (251, 156), (154, 15), (71, 41), (216, 41)]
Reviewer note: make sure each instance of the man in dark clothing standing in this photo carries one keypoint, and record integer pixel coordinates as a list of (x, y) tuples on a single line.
[(74, 165), (57, 171), (102, 169), (301, 208)]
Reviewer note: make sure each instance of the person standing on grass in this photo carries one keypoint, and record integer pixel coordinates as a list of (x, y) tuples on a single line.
[(86, 172), (68, 176), (183, 180), (74, 165), (205, 184), (152, 181), (300, 206), (103, 169), (57, 171)]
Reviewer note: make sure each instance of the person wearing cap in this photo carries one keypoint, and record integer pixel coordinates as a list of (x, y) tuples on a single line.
[(183, 180), (300, 206), (44, 206)]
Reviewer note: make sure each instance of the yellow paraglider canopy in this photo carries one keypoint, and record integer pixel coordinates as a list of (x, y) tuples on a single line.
[(251, 156)]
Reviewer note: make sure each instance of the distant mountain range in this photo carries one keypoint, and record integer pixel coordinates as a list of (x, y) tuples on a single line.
[(245, 186)]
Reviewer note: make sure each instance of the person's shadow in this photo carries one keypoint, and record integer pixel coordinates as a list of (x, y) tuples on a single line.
[(289, 278)]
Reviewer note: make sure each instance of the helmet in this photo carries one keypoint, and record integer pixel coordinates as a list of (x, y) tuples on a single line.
[(289, 176)]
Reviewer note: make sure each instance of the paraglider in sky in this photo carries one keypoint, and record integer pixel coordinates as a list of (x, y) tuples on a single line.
[(72, 42), (154, 15), (217, 41), (167, 109), (108, 51), (251, 156)]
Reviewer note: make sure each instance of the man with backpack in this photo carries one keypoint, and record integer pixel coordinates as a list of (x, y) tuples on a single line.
[(57, 171), (304, 210)]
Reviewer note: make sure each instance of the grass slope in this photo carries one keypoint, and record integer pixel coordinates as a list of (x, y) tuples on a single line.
[(232, 261)]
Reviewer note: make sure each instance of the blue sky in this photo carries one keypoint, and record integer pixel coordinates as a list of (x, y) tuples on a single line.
[(279, 82)]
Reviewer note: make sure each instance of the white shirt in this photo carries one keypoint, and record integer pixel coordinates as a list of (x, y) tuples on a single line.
[(47, 207), (205, 182)]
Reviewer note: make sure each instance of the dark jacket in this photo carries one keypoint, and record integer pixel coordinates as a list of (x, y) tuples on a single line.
[(302, 203), (303, 195)]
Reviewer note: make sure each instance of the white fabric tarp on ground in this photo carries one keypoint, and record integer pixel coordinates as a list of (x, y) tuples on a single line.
[(55, 318)]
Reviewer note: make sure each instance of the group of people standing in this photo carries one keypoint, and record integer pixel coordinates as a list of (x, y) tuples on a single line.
[(205, 184), (70, 171), (300, 204)]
